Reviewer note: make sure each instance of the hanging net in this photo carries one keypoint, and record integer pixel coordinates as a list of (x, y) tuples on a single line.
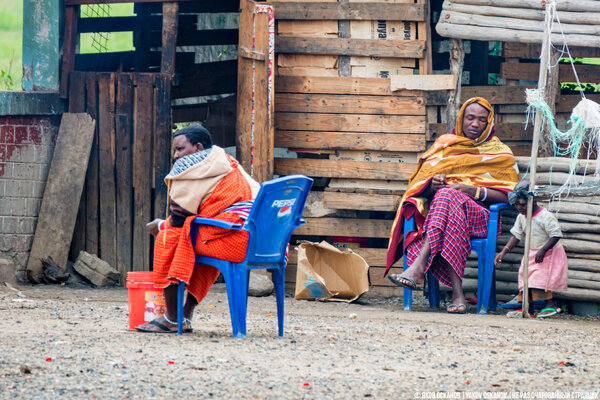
[(99, 39), (582, 138)]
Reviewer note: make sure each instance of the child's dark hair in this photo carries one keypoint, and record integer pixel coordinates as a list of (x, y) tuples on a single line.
[(196, 134)]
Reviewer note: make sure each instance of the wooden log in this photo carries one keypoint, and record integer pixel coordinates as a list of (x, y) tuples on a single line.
[(343, 169), (557, 164), (565, 5), (567, 227), (578, 218), (578, 264), (66, 178), (351, 47), (582, 276), (517, 23), (475, 32), (349, 141), (565, 17), (586, 236), (574, 208), (557, 178), (349, 104), (579, 294), (350, 122), (457, 62), (348, 11), (580, 246), (376, 228), (361, 201)]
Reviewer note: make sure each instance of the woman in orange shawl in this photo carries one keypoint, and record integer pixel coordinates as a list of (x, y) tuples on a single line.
[(459, 174)]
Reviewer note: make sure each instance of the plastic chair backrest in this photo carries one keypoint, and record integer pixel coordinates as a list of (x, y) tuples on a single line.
[(276, 212)]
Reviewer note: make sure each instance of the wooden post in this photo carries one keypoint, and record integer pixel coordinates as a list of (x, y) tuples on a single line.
[(69, 44), (344, 67), (169, 38), (551, 93), (543, 77), (424, 33), (457, 62)]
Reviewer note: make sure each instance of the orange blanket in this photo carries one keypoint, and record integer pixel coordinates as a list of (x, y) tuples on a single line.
[(174, 257), (484, 162)]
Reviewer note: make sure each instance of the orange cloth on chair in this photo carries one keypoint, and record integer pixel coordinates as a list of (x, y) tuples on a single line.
[(174, 257)]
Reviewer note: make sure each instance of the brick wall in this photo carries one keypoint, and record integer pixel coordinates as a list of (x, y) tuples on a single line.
[(26, 147)]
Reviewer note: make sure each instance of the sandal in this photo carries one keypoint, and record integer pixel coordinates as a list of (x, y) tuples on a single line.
[(187, 327), (456, 309), (411, 285), (549, 312)]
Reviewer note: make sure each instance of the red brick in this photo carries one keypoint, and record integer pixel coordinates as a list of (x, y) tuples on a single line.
[(7, 134), (21, 134), (35, 134)]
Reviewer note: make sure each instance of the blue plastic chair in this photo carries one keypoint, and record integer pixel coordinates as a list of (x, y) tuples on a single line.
[(486, 271), (275, 214)]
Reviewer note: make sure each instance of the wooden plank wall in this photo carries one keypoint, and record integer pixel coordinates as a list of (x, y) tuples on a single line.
[(339, 120), (124, 188), (204, 91)]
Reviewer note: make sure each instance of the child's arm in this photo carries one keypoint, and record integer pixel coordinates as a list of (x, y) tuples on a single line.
[(512, 243), (539, 256)]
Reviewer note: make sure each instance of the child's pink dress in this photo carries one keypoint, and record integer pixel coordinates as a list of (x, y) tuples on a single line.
[(550, 274)]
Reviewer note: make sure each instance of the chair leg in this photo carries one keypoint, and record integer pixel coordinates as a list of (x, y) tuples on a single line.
[(242, 281), (433, 290), (279, 280), (488, 276), (231, 287), (180, 294)]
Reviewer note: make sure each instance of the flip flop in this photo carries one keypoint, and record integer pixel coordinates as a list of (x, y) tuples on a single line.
[(456, 309), (163, 328), (412, 286), (552, 312)]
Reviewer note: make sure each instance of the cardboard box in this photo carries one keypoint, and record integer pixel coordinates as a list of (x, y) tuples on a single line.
[(379, 71), (382, 29), (306, 71), (307, 60), (326, 272)]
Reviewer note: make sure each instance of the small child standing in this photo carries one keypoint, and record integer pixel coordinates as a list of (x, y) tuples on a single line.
[(547, 269)]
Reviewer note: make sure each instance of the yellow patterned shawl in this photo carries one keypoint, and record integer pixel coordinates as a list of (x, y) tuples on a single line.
[(484, 162)]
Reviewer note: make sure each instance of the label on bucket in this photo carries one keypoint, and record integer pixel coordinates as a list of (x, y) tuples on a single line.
[(155, 305)]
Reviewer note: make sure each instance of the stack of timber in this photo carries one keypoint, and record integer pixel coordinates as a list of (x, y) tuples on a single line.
[(338, 120), (358, 38), (520, 21), (579, 219)]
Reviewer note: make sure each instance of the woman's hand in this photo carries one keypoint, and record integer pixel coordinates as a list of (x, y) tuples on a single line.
[(467, 189), (438, 182), (152, 227), (498, 259)]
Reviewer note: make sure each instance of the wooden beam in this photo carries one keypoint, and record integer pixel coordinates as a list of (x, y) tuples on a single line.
[(532, 50), (529, 72), (351, 47), (66, 177), (348, 11), (343, 169), (361, 201), (69, 44), (350, 104), (169, 38), (349, 141), (423, 82), (340, 85), (505, 131), (493, 94), (373, 257), (376, 228), (350, 122), (78, 2)]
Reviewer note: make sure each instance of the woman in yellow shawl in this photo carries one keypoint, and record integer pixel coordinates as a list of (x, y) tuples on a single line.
[(454, 179)]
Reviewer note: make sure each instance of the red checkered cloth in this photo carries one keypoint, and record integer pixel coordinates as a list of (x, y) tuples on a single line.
[(453, 220)]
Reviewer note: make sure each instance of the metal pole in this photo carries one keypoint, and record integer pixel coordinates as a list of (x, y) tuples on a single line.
[(543, 76)]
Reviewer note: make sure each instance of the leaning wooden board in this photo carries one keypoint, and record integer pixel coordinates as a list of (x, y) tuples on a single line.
[(65, 182)]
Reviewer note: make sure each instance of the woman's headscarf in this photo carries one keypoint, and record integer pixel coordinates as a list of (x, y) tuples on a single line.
[(484, 162)]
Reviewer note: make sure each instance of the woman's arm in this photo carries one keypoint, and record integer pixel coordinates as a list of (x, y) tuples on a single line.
[(485, 194)]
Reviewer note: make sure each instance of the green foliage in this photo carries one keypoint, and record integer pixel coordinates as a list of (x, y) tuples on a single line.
[(6, 81), (11, 43), (573, 87)]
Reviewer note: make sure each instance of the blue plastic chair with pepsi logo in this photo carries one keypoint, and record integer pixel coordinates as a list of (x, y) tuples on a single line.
[(486, 271), (275, 214)]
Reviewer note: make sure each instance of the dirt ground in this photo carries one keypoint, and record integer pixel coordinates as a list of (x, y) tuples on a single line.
[(66, 342)]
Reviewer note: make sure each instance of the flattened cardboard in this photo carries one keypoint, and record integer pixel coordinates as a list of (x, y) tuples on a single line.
[(381, 29), (306, 60), (307, 28), (326, 272)]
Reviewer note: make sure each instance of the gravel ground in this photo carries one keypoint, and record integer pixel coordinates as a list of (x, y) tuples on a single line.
[(73, 342)]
